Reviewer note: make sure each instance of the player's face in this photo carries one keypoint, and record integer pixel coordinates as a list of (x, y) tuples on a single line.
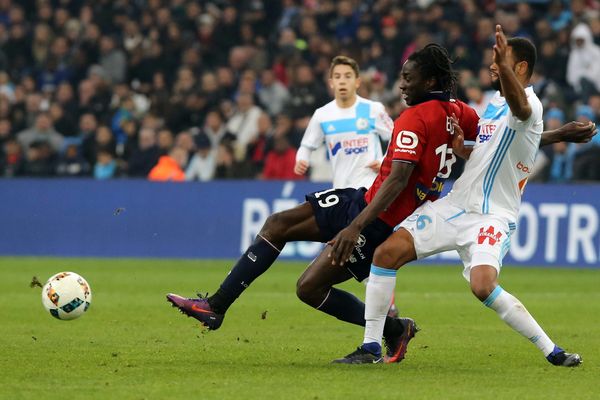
[(494, 69), (414, 87), (344, 82)]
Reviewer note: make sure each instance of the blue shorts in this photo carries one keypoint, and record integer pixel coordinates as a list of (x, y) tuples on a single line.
[(334, 210)]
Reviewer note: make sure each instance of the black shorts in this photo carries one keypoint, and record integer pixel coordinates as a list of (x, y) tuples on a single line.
[(334, 210)]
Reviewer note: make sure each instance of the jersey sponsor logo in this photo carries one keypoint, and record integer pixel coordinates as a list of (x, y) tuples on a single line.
[(350, 146), (490, 234), (407, 140), (408, 151), (485, 132), (437, 186), (523, 167), (335, 148), (421, 192)]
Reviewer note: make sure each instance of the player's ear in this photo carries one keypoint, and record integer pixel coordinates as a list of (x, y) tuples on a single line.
[(521, 68), (358, 82)]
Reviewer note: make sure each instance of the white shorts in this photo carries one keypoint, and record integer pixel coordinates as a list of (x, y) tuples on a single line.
[(480, 239)]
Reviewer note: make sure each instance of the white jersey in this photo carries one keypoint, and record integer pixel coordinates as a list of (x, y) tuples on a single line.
[(502, 159), (352, 138)]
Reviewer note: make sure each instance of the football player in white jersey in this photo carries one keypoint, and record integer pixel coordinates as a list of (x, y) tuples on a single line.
[(351, 127), (478, 216)]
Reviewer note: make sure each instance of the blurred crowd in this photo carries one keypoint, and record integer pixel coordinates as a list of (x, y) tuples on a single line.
[(202, 90)]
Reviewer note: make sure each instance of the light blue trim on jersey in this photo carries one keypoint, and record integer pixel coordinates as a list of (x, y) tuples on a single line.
[(336, 126), (494, 113), (456, 215), (507, 137), (375, 270), (492, 297)]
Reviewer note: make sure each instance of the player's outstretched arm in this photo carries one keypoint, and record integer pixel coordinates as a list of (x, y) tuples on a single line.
[(512, 89), (573, 132), (346, 239)]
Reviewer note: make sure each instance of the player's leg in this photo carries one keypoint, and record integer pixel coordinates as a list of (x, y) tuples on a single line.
[(418, 237), (298, 223), (486, 257), (315, 288), (392, 254)]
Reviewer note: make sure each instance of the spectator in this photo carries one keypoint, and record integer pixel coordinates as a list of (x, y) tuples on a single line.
[(146, 155), (214, 127), (102, 139), (260, 146), (42, 131), (170, 167), (306, 95), (586, 166), (227, 166), (280, 161), (105, 166), (41, 159), (165, 141), (244, 124), (71, 162), (112, 60), (583, 69), (203, 163), (12, 161), (272, 93)]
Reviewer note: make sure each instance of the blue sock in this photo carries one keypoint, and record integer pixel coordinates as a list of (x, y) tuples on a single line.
[(253, 263), (373, 348)]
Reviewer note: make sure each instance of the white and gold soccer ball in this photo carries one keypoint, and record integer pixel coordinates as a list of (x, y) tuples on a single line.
[(66, 295)]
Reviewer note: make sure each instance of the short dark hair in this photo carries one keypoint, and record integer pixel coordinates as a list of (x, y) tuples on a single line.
[(343, 60), (434, 62), (524, 50)]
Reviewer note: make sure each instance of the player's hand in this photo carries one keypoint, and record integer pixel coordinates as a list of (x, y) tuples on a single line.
[(375, 166), (501, 46), (577, 132), (301, 167), (343, 244), (458, 140)]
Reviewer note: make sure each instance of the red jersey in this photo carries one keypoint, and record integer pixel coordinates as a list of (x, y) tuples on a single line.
[(423, 136)]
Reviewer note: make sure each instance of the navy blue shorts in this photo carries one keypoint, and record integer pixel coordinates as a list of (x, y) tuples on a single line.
[(334, 210)]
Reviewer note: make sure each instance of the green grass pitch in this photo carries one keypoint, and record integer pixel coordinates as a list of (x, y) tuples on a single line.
[(132, 345)]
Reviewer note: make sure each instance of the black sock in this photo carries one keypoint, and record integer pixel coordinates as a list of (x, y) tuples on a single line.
[(256, 260), (344, 306), (347, 307)]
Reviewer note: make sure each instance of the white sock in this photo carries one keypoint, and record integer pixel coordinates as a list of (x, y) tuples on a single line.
[(380, 289), (510, 309)]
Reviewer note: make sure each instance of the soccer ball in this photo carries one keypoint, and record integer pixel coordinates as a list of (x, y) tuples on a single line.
[(66, 295)]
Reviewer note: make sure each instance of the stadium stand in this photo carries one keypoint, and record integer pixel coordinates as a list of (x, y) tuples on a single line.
[(106, 88)]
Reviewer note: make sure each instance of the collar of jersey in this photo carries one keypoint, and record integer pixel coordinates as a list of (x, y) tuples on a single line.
[(435, 95)]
